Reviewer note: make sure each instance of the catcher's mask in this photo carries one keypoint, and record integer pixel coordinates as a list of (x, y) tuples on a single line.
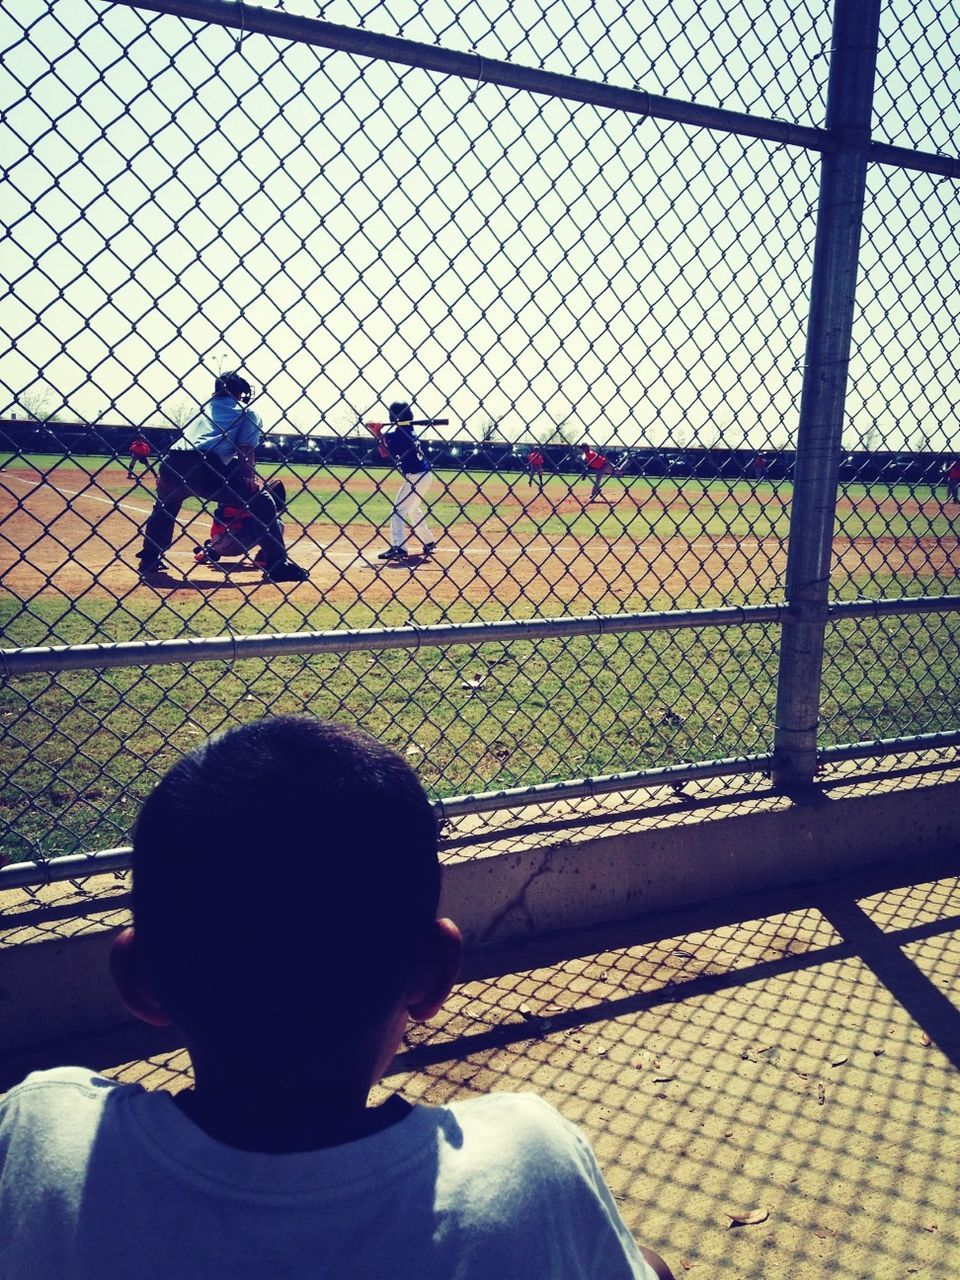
[(235, 386)]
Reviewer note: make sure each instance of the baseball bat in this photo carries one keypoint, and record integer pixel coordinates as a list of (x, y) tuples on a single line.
[(417, 422)]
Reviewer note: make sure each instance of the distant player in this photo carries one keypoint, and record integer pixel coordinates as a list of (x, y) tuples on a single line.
[(535, 467), (398, 443), (139, 451), (953, 481), (758, 466), (600, 466)]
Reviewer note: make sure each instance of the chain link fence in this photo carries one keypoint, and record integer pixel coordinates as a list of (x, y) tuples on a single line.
[(688, 426)]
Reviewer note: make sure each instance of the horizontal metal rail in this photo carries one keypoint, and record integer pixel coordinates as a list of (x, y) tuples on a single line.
[(74, 866), (233, 648), (888, 747), (29, 875), (900, 606), (674, 775), (473, 66), (24, 874), (918, 161)]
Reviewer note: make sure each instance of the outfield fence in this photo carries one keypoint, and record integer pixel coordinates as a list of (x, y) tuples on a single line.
[(673, 292)]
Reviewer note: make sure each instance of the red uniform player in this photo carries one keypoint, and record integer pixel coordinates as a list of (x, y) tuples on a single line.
[(140, 451), (953, 481), (535, 466), (600, 466)]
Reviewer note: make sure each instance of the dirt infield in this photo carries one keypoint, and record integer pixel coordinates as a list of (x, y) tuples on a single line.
[(72, 538)]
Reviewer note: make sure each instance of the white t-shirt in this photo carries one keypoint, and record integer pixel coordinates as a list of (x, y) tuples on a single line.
[(100, 1181)]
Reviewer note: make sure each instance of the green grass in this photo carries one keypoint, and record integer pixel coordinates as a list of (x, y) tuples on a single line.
[(82, 748), (88, 745), (661, 507)]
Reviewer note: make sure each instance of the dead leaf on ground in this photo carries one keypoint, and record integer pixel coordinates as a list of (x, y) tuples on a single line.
[(925, 1039), (838, 1062), (821, 1094), (930, 1226), (663, 1079), (750, 1218)]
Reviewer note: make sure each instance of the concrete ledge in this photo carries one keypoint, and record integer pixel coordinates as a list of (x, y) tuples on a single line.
[(689, 854), (533, 875)]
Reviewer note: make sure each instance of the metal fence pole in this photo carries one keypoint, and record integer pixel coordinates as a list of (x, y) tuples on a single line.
[(839, 220)]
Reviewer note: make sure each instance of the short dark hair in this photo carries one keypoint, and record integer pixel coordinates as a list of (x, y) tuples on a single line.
[(255, 857), (233, 385), (400, 411)]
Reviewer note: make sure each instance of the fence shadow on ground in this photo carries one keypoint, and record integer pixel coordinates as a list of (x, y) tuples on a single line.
[(789, 1058)]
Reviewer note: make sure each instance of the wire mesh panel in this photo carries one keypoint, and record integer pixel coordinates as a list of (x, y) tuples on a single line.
[(594, 317)]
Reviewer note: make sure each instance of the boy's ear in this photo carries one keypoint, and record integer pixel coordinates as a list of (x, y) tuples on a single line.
[(128, 977), (439, 971)]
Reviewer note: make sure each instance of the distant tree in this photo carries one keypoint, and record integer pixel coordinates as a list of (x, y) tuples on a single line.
[(39, 403), (565, 431), (713, 433), (682, 435), (489, 430), (343, 421), (178, 412), (871, 438)]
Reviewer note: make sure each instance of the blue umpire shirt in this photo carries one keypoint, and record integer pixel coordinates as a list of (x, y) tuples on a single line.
[(221, 428)]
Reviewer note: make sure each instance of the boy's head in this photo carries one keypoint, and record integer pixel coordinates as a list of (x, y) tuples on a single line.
[(285, 874)]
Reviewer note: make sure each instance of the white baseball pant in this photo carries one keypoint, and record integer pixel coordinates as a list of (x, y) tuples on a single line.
[(407, 509)]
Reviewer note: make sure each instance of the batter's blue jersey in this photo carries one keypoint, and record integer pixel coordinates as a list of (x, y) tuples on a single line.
[(405, 448)]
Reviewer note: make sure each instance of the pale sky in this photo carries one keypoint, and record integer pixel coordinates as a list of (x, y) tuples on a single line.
[(351, 232)]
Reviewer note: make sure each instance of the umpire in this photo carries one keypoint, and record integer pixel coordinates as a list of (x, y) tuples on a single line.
[(214, 459)]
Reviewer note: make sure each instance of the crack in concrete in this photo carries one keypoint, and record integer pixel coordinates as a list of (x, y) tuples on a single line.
[(517, 903)]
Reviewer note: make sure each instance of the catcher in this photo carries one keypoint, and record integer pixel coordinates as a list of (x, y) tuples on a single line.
[(140, 451), (234, 531)]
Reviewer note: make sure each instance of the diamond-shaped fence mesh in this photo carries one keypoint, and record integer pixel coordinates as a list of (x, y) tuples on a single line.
[(598, 311)]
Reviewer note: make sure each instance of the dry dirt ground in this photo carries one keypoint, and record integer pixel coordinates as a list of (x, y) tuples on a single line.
[(772, 1084), (83, 543)]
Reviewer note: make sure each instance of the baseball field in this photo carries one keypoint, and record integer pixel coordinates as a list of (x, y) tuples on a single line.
[(89, 743)]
